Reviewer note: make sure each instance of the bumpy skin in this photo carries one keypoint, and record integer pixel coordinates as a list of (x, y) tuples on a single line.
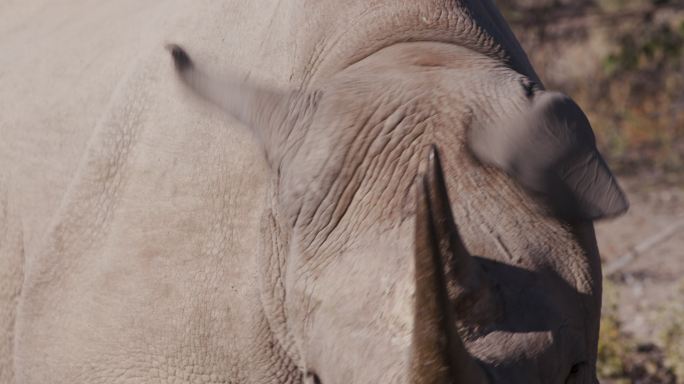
[(345, 255), (176, 246)]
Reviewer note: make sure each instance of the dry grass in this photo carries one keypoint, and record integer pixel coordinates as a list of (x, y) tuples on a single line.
[(672, 337), (622, 360)]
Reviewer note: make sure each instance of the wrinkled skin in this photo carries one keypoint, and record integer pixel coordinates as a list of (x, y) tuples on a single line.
[(191, 248), (343, 256)]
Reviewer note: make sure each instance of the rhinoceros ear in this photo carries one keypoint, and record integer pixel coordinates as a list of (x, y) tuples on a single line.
[(550, 149), (266, 111)]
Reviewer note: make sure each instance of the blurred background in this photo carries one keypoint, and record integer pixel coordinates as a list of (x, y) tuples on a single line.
[(623, 62)]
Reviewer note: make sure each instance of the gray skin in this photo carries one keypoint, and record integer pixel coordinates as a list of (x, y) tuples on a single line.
[(307, 235), (345, 156)]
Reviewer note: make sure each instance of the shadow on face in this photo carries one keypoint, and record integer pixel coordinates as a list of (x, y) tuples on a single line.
[(541, 336)]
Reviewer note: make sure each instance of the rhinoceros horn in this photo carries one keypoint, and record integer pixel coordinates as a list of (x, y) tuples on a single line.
[(438, 355)]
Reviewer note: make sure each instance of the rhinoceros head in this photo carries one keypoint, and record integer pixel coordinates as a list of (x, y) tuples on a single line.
[(372, 274)]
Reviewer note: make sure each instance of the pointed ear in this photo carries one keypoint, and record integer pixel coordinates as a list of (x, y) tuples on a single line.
[(550, 149), (268, 112)]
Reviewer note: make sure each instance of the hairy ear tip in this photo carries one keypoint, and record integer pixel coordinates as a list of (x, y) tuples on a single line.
[(180, 58)]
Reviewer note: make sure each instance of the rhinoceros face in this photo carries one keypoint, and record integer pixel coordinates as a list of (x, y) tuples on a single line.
[(373, 274), (415, 306)]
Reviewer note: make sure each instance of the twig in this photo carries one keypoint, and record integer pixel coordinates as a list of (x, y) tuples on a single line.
[(621, 262)]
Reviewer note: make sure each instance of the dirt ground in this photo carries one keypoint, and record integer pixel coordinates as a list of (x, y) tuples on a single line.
[(643, 254)]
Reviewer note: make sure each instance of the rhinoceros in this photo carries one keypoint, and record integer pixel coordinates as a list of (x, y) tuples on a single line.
[(306, 192)]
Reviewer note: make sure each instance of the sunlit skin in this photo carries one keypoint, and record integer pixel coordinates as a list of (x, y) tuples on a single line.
[(292, 192), (521, 311)]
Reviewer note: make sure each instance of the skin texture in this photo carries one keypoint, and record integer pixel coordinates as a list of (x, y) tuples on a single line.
[(545, 282), (190, 247)]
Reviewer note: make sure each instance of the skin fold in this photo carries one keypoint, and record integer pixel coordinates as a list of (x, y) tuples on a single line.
[(330, 149), (294, 227)]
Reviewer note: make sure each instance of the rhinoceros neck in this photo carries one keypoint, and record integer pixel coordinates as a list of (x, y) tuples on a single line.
[(345, 35)]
